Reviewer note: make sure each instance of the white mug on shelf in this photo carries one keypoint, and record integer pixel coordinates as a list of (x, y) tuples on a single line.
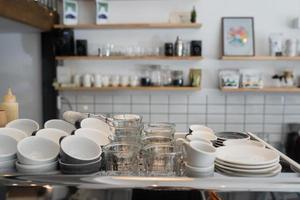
[(98, 80), (124, 81), (105, 81), (134, 81), (76, 80), (115, 80), (87, 80)]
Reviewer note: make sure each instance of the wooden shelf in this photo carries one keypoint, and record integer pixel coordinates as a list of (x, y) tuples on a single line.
[(152, 88), (131, 26), (76, 58), (264, 90), (260, 58), (29, 13)]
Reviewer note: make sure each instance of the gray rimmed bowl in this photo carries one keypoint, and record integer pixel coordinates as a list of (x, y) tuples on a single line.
[(87, 168)]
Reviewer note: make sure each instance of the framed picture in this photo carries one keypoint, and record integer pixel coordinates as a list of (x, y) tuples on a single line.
[(70, 12), (238, 36)]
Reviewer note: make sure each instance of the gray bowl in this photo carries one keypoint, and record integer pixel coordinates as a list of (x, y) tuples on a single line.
[(87, 168)]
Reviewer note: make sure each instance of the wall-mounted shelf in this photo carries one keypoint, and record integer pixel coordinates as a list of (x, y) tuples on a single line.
[(260, 58), (152, 88), (263, 90), (132, 26), (76, 58)]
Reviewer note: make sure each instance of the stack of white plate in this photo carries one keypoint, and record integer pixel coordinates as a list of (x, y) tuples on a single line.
[(247, 161)]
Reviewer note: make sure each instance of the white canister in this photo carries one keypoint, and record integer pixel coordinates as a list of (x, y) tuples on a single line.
[(87, 80), (98, 80), (124, 81), (291, 47), (115, 80), (76, 80), (275, 42), (134, 81), (105, 81)]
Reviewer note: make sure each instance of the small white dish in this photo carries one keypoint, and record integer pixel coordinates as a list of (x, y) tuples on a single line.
[(37, 150), (95, 135), (243, 142), (197, 127), (47, 167), (27, 125), (247, 155), (205, 136), (52, 134), (8, 148), (60, 124), (96, 124), (14, 133), (199, 171)]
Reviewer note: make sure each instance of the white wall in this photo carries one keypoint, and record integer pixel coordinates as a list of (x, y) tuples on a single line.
[(270, 16), (20, 69)]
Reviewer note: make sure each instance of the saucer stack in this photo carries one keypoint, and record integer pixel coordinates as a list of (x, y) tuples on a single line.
[(79, 155), (8, 151), (224, 136), (247, 161), (37, 155)]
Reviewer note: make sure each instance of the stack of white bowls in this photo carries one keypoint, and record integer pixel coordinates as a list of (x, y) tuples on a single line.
[(8, 151), (37, 155), (79, 155)]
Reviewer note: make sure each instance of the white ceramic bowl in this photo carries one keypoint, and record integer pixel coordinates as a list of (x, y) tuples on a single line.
[(52, 134), (27, 125), (14, 133), (37, 150), (204, 135), (198, 138), (47, 167), (8, 148), (197, 127), (95, 135), (79, 150), (8, 164), (199, 171), (60, 124), (96, 124)]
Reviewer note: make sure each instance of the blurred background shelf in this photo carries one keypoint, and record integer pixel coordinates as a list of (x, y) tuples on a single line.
[(260, 58), (183, 58), (132, 26), (266, 90), (152, 88)]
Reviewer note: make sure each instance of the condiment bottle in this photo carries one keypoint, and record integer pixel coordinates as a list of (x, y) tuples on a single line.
[(10, 105), (178, 47)]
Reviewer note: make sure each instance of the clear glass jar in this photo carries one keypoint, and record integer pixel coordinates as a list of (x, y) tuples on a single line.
[(156, 79)]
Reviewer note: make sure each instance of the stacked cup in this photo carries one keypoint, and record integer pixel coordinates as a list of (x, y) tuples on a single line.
[(37, 155), (79, 155), (8, 150), (199, 157)]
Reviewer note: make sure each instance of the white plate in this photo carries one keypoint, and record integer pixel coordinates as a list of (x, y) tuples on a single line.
[(246, 166), (95, 135), (250, 171), (243, 142), (247, 155), (241, 174), (14, 133)]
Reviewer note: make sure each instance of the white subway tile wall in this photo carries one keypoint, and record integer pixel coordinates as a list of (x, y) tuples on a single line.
[(263, 114)]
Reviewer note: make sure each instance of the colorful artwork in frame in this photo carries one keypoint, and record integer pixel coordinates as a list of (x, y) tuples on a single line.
[(238, 36)]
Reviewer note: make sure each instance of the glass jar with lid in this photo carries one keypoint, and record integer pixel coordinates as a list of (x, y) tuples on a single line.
[(177, 78), (156, 79)]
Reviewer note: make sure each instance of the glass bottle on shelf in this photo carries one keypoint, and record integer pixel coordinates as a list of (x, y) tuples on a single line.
[(156, 79), (177, 78), (166, 77), (145, 77)]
